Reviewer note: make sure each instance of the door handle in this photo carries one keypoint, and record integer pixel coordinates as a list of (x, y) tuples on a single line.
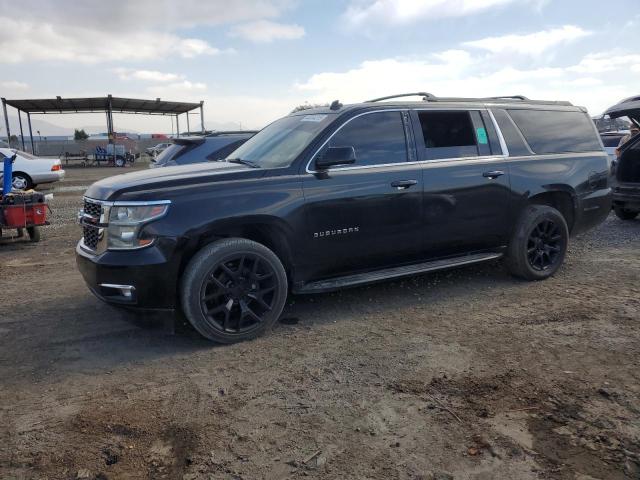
[(403, 184), (493, 174)]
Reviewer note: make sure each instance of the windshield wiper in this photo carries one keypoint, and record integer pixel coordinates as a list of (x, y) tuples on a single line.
[(243, 162)]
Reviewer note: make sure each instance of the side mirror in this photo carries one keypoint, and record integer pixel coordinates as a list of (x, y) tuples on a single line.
[(333, 156)]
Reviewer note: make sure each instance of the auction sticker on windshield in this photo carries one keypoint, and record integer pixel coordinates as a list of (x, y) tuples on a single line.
[(313, 118)]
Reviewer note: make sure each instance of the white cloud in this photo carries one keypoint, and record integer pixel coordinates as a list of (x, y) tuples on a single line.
[(395, 12), (95, 31), (532, 43), (14, 85), (601, 62), (121, 15), (147, 75), (24, 40), (457, 73), (264, 31), (178, 89)]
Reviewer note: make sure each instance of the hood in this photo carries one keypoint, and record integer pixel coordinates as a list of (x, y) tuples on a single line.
[(629, 107), (111, 188)]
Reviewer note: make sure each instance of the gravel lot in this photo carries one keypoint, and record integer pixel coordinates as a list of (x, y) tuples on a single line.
[(465, 374)]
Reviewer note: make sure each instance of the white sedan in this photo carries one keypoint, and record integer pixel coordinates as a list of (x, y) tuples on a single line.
[(29, 170)]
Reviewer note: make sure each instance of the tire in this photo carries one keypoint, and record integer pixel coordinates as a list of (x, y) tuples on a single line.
[(233, 290), (21, 181), (120, 162), (539, 243), (624, 214), (34, 234)]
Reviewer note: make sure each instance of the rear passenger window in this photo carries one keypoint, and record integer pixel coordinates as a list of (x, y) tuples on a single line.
[(550, 131), (378, 138), (448, 134), (512, 136), (225, 151)]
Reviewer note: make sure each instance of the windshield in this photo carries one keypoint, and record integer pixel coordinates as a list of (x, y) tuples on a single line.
[(278, 144)]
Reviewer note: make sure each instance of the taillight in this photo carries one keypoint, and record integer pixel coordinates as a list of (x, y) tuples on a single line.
[(56, 167)]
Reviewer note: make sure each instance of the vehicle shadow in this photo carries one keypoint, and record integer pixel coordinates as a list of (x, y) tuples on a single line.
[(67, 335)]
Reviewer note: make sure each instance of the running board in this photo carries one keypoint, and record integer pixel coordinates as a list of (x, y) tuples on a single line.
[(395, 272)]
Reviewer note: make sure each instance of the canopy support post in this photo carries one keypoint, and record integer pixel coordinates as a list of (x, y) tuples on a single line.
[(177, 126), (21, 132), (6, 120), (188, 128), (33, 148), (202, 115)]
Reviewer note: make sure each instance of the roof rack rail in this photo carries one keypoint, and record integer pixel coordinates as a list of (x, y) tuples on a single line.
[(511, 97), (426, 96)]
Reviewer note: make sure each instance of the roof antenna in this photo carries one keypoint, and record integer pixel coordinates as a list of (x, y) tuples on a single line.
[(335, 105)]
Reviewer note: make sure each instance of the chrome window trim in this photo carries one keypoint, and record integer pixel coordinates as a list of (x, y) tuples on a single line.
[(417, 162), (308, 170), (503, 143)]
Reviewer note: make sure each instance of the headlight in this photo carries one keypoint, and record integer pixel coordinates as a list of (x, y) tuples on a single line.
[(125, 222)]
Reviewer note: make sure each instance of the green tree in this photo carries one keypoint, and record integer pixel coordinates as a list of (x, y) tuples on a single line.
[(80, 134)]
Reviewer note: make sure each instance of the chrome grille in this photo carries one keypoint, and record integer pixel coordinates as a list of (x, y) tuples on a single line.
[(93, 209), (91, 236), (92, 217)]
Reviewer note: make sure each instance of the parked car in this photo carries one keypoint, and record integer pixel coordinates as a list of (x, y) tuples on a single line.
[(626, 188), (30, 171), (196, 149), (342, 196), (611, 140), (157, 149)]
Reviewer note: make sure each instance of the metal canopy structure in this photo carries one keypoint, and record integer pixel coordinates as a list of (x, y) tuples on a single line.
[(108, 104)]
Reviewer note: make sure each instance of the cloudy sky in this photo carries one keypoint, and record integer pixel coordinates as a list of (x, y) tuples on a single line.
[(252, 61)]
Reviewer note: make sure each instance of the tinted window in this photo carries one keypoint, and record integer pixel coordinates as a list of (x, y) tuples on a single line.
[(511, 135), (448, 134), (611, 140), (170, 153), (224, 152), (377, 138), (548, 131)]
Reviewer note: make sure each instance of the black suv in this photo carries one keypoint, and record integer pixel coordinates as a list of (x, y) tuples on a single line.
[(342, 196), (626, 188), (201, 148)]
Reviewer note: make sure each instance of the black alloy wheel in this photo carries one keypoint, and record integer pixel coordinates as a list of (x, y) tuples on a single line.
[(238, 293), (538, 244), (233, 289), (545, 245)]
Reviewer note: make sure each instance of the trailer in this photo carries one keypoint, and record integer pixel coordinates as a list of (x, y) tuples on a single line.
[(21, 210)]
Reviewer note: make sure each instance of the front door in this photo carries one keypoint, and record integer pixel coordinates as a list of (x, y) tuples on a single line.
[(466, 182), (369, 214)]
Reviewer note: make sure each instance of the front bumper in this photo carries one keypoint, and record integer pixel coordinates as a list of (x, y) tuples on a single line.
[(627, 197), (143, 279)]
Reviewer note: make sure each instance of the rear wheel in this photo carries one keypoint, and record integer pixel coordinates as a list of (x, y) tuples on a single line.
[(233, 290), (624, 214), (21, 181), (539, 243), (34, 234)]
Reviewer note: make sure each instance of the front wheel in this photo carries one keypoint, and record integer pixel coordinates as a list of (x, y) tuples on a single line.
[(624, 214), (21, 181), (233, 290), (539, 243)]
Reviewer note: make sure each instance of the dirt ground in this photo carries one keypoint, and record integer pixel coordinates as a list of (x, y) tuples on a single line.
[(465, 374)]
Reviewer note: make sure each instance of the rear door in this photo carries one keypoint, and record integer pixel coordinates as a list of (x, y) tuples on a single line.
[(466, 181), (366, 215)]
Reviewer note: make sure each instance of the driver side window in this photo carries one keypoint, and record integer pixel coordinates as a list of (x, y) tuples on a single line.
[(377, 138)]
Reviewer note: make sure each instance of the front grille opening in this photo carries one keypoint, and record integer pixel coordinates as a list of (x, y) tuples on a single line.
[(91, 233), (93, 209), (91, 236)]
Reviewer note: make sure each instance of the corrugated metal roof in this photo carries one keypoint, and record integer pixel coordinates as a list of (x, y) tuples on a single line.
[(100, 104)]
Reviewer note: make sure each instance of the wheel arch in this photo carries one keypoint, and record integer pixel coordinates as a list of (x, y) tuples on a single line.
[(269, 231), (562, 199)]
